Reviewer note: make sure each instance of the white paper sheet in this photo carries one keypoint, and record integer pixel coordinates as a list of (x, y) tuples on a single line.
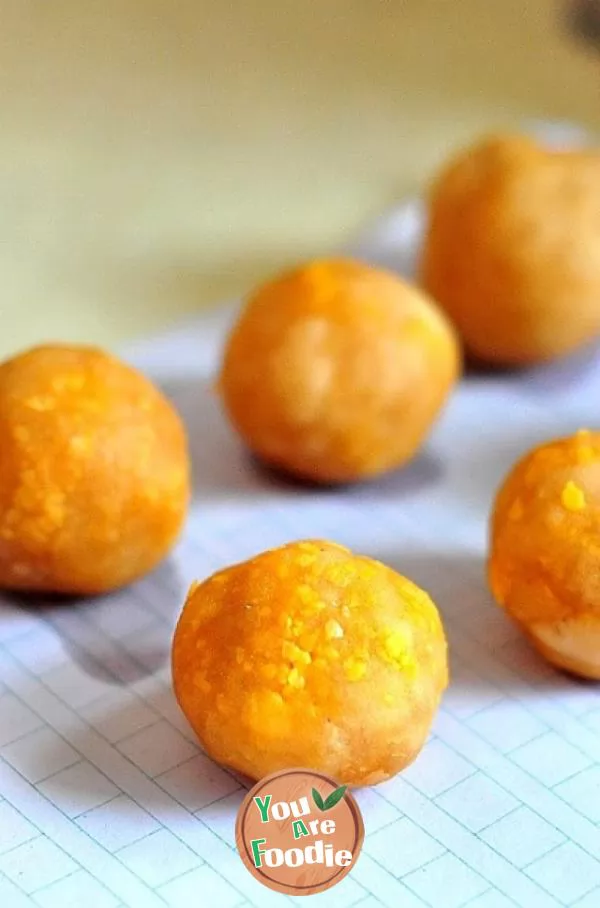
[(107, 799)]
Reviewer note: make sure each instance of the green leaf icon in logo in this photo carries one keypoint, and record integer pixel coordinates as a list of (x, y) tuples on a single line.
[(318, 799), (335, 797), (331, 800)]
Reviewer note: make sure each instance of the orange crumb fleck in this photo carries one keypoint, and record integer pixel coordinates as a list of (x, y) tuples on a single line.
[(573, 497), (295, 679), (355, 669), (334, 630), (516, 510)]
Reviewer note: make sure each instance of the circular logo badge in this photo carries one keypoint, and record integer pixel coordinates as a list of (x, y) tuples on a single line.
[(299, 832)]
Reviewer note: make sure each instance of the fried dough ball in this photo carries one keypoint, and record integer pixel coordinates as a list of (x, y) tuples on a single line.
[(544, 563), (94, 473), (512, 250), (308, 655), (336, 371)]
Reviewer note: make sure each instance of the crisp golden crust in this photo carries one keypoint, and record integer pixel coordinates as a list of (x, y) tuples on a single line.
[(94, 472), (336, 371), (544, 564), (308, 655), (512, 250)]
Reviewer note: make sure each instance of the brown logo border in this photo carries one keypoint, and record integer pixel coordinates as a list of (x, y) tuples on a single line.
[(258, 873)]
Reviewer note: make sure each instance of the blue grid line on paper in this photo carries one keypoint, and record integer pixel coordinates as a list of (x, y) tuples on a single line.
[(56, 827), (198, 837), (480, 772)]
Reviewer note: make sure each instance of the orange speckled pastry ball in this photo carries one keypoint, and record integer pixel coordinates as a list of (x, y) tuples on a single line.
[(512, 251), (544, 564), (94, 475), (336, 371), (311, 656)]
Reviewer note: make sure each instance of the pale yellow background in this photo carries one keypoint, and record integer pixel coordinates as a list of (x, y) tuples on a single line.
[(159, 156)]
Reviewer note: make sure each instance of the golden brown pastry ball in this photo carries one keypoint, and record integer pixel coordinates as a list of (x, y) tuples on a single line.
[(94, 474), (308, 655), (336, 371), (512, 251), (544, 563)]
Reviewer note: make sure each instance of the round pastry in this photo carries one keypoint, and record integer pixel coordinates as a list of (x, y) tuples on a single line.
[(308, 655), (94, 472), (336, 371), (512, 250), (544, 563)]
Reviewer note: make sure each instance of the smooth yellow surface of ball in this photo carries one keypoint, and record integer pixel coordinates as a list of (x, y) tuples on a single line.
[(512, 249), (336, 371)]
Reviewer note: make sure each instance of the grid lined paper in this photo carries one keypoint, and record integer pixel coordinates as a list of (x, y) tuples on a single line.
[(106, 799)]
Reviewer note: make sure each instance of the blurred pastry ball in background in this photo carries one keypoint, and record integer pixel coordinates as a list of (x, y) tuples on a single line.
[(512, 250), (308, 655), (336, 371), (94, 472), (544, 562)]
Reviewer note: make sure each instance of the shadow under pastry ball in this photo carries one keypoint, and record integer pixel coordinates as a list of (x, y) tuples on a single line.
[(308, 655), (512, 250), (94, 473), (336, 371), (544, 563)]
